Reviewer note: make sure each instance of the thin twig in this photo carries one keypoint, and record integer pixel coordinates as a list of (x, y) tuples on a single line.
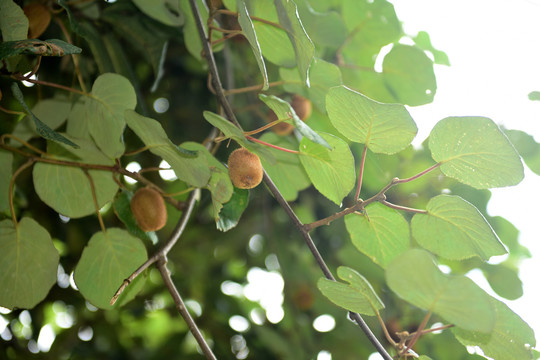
[(255, 87), (380, 196), (404, 208), (47, 83), (417, 334), (181, 307)]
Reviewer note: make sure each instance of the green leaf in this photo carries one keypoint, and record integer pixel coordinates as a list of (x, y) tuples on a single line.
[(51, 47), (284, 110), (227, 128), (13, 22), (6, 164), (231, 131), (534, 95), (249, 31), (503, 280), (287, 173), (220, 184), (511, 339), (474, 151), (111, 96), (232, 210), (106, 261), (414, 277), (275, 45), (303, 47), (322, 76), (382, 233), (454, 229), (371, 25), (97, 47), (66, 188), (143, 34), (384, 128), (191, 34), (52, 112), (527, 147), (122, 209), (409, 76), (325, 29), (273, 40), (358, 296), (29, 263), (423, 41), (164, 11), (192, 170), (77, 122), (42, 129), (330, 171)]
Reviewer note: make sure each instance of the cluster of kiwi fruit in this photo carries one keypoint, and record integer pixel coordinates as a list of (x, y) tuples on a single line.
[(245, 171)]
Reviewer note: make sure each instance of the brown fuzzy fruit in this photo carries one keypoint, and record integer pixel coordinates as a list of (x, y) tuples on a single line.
[(301, 106), (149, 210), (245, 169)]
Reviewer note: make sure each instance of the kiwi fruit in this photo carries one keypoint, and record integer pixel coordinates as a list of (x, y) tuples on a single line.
[(149, 210), (245, 169), (301, 106)]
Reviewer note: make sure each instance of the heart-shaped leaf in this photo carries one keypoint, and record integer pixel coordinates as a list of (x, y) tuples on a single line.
[(454, 229), (381, 233), (383, 128), (111, 96), (106, 261), (29, 263), (511, 339), (330, 171), (414, 276), (67, 189), (474, 151)]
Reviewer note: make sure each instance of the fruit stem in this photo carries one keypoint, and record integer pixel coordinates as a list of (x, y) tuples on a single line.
[(272, 145), (254, 87), (267, 126)]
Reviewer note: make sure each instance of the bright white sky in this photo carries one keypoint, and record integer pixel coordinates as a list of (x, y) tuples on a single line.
[(494, 50)]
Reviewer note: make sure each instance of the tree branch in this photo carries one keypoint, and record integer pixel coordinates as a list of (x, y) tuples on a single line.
[(181, 307), (216, 83)]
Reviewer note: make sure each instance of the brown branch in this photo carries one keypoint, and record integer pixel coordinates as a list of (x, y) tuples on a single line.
[(181, 307), (404, 208), (269, 183)]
